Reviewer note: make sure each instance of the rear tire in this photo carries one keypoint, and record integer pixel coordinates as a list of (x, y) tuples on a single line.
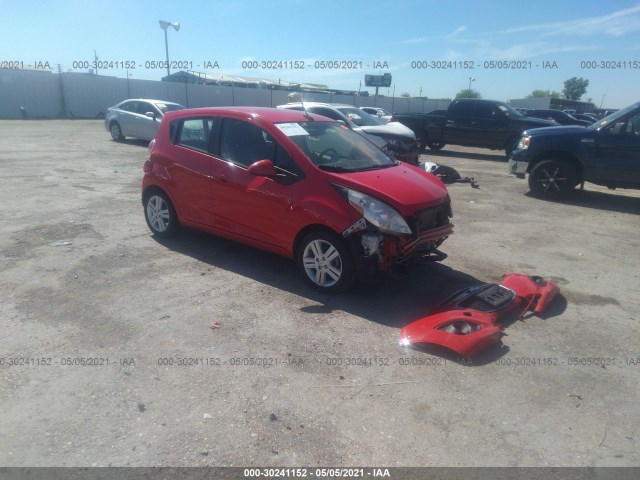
[(160, 215), (116, 132), (552, 177)]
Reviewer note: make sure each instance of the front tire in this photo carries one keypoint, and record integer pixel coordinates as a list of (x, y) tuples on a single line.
[(435, 146), (160, 215), (552, 177), (326, 262)]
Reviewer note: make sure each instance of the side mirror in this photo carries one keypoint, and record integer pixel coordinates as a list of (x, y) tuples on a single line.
[(150, 115), (619, 128), (262, 168)]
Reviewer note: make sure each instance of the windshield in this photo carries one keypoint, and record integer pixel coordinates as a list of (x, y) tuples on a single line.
[(613, 118), (335, 148), (360, 117), (512, 111)]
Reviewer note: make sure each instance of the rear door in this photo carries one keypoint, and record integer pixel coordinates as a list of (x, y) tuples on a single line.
[(457, 128), (192, 141), (127, 118), (490, 125)]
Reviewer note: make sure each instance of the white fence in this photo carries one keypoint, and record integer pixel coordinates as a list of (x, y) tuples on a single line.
[(34, 94)]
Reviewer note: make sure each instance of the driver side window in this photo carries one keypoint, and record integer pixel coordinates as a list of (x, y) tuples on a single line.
[(633, 126), (243, 144)]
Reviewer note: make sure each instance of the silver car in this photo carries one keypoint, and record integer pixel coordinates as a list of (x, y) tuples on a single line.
[(381, 113), (137, 117)]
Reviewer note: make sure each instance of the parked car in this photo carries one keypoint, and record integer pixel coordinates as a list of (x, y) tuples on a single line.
[(589, 117), (472, 123), (560, 158), (138, 118), (381, 113), (295, 184), (398, 140), (557, 116)]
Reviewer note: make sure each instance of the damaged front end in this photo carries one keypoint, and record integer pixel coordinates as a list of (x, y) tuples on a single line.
[(383, 238), (467, 321)]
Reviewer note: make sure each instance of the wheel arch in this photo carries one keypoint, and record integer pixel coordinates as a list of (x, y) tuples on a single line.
[(149, 189), (306, 231), (562, 155)]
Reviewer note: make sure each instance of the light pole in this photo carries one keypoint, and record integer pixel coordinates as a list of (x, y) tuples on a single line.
[(471, 79), (164, 25)]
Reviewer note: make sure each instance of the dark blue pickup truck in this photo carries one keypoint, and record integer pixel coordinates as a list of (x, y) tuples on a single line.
[(558, 159), (470, 122)]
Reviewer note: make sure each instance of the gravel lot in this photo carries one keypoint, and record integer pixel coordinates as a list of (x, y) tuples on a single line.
[(82, 278)]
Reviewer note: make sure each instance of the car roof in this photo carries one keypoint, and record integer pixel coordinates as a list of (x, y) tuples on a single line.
[(150, 100), (318, 104), (274, 115)]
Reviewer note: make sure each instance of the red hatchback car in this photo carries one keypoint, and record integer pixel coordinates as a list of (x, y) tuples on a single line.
[(295, 184)]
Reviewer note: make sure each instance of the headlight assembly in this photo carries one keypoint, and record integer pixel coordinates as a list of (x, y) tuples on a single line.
[(376, 212), (523, 144)]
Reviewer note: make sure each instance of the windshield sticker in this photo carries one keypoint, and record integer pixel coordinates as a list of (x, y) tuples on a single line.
[(291, 129)]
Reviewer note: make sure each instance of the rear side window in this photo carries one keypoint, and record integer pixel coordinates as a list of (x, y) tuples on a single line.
[(195, 133), (326, 112), (128, 106), (462, 109), (488, 111)]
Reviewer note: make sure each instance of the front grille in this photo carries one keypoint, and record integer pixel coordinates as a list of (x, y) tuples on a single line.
[(430, 218)]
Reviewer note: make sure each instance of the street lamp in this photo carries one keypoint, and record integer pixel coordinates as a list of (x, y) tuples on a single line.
[(164, 25), (471, 79)]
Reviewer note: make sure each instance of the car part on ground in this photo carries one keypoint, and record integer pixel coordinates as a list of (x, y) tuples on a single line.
[(467, 322), (448, 175), (301, 186)]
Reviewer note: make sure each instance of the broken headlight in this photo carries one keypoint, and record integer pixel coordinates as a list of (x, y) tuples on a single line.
[(459, 328), (378, 213)]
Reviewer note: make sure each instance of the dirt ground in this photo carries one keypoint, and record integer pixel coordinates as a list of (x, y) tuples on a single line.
[(107, 355)]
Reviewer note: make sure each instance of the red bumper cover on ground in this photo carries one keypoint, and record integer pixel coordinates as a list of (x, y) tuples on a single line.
[(467, 321)]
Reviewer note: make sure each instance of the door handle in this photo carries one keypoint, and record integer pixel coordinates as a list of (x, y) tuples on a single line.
[(223, 178)]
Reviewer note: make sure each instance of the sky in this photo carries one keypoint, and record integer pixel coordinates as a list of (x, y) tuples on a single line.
[(502, 48)]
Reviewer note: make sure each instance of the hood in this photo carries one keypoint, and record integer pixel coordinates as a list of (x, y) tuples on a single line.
[(559, 130), (404, 187), (391, 128), (531, 122)]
